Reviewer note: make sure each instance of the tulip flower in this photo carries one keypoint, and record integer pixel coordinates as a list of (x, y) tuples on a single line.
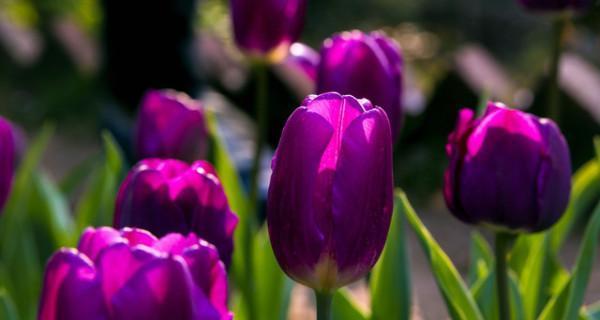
[(8, 150), (267, 27), (508, 169), (305, 59), (330, 197), (556, 5), (164, 196), (365, 66), (171, 125), (130, 274)]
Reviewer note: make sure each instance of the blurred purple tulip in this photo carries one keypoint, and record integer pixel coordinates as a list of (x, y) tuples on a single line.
[(165, 196), (171, 125), (304, 58), (8, 150), (267, 27), (365, 65), (555, 5), (508, 169), (130, 274), (330, 197)]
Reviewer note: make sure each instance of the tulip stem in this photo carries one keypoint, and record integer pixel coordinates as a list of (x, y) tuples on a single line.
[(323, 305), (554, 98), (261, 109), (501, 251)]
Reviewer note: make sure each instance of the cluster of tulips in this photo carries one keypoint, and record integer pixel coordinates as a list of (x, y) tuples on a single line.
[(330, 200)]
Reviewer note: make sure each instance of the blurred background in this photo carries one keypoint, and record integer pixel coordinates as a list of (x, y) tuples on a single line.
[(84, 64)]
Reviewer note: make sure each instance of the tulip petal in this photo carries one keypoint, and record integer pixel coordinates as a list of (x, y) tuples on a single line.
[(7, 161), (71, 289), (93, 241), (296, 232), (145, 204), (554, 179), (362, 195), (491, 179), (161, 289), (118, 263), (209, 274)]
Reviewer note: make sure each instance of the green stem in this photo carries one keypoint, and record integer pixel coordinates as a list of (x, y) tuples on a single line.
[(323, 305), (501, 250), (554, 97), (261, 107)]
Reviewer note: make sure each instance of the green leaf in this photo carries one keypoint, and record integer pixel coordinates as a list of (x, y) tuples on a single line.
[(19, 254), (7, 306), (485, 293), (390, 279), (96, 205), (344, 308), (566, 304), (273, 287), (481, 258), (584, 194), (459, 300)]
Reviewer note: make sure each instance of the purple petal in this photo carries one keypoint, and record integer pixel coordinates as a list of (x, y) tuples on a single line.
[(362, 195), (92, 240), (71, 289), (162, 289), (295, 228), (7, 161)]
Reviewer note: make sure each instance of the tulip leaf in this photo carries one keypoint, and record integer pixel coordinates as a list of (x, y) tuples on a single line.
[(584, 194), (390, 279), (18, 251), (461, 304), (565, 305), (481, 258), (236, 195), (484, 291), (96, 205), (273, 287), (7, 306), (344, 308)]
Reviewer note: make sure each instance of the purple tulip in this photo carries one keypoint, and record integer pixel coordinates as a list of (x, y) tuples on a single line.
[(365, 66), (304, 58), (555, 5), (8, 150), (508, 169), (130, 274), (330, 197), (165, 196), (171, 125), (267, 27)]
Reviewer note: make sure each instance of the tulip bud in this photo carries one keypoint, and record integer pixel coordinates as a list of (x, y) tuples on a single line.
[(330, 196), (556, 5), (508, 169), (171, 125), (365, 66), (165, 196), (130, 274), (8, 147), (267, 27), (304, 58)]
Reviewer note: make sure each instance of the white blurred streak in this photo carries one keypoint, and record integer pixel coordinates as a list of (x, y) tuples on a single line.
[(23, 44), (581, 80)]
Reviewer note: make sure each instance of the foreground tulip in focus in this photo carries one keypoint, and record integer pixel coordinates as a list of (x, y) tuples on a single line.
[(171, 125), (7, 159), (509, 169), (267, 27), (330, 197), (365, 65), (130, 274), (164, 196)]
